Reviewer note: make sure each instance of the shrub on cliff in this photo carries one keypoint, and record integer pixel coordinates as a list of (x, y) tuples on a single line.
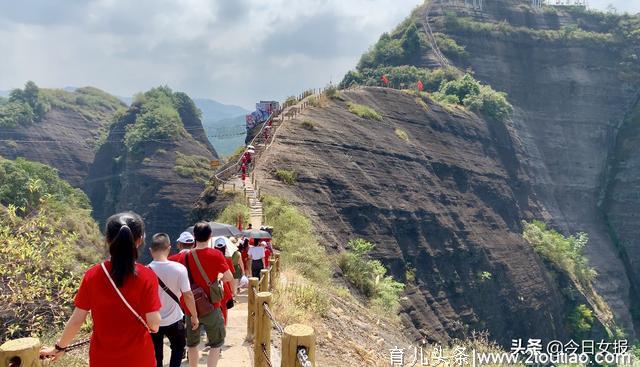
[(24, 106), (467, 91), (450, 47), (157, 118), (91, 103), (461, 87), (363, 111), (580, 320), (369, 276), (567, 253), (287, 176), (193, 166), (398, 48), (493, 103), (406, 75), (25, 184), (294, 236), (48, 238)]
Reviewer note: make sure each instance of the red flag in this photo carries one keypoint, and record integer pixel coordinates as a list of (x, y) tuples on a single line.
[(420, 85), (385, 80)]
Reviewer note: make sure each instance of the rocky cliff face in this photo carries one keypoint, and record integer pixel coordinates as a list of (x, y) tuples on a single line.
[(67, 137), (571, 96), (447, 203), (161, 180)]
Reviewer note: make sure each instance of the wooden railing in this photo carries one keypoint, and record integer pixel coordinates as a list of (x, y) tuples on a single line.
[(229, 170), (298, 346), (298, 341)]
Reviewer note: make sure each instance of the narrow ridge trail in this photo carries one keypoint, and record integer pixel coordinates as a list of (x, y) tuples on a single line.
[(237, 352)]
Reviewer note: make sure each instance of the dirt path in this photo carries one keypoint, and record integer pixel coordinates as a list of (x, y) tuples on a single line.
[(236, 351)]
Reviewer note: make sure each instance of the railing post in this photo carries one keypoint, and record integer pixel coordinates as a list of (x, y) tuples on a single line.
[(263, 330), (298, 336), (251, 307), (23, 352), (273, 278), (264, 285), (277, 256)]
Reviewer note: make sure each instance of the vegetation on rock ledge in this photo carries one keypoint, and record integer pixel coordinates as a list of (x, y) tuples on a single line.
[(158, 118), (49, 239)]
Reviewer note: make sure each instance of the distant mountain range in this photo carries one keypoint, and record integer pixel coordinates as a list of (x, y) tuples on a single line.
[(223, 123)]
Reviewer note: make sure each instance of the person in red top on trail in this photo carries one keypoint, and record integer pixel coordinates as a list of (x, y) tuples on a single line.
[(221, 245), (184, 244), (243, 168), (215, 266), (121, 337)]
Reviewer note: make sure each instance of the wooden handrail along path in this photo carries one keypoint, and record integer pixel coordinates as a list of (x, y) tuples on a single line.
[(298, 341)]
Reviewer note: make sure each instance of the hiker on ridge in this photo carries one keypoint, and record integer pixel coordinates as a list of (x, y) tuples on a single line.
[(122, 297), (174, 282)]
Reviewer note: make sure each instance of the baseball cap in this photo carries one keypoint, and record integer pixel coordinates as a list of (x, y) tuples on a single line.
[(220, 243), (186, 237)]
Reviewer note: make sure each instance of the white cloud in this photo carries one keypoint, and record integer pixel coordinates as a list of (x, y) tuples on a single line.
[(236, 51), (631, 6)]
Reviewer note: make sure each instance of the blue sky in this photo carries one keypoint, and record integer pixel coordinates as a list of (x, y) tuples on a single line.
[(235, 51)]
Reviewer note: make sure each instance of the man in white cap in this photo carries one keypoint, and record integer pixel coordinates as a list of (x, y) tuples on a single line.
[(185, 243)]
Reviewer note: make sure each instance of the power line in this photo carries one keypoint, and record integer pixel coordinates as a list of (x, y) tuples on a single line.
[(79, 141), (14, 131)]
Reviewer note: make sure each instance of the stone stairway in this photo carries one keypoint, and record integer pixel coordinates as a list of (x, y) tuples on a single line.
[(255, 205)]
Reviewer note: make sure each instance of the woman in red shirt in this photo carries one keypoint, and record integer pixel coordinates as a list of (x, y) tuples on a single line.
[(120, 337)]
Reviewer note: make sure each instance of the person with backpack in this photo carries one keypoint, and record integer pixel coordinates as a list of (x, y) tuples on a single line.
[(206, 268), (174, 281), (122, 297)]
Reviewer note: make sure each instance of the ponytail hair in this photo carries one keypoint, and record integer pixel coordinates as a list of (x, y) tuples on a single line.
[(122, 231)]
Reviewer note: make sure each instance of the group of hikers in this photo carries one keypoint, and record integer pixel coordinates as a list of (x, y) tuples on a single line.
[(134, 307)]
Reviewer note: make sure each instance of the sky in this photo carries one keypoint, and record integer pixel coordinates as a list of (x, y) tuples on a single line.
[(233, 51)]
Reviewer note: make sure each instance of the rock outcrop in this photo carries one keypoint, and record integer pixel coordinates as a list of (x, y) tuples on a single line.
[(67, 136), (447, 203), (161, 180), (571, 96)]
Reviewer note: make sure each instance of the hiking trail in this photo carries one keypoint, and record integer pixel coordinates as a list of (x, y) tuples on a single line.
[(237, 352)]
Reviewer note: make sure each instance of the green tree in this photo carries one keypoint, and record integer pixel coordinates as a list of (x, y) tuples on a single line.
[(24, 107), (411, 44), (461, 87), (580, 321)]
